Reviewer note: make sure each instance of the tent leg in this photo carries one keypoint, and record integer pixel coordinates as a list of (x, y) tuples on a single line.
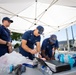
[(67, 40)]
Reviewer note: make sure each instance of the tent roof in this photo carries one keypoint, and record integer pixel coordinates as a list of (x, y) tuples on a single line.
[(16, 6), (60, 2), (60, 14)]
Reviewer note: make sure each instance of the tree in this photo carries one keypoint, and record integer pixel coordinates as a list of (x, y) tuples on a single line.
[(16, 36), (16, 45)]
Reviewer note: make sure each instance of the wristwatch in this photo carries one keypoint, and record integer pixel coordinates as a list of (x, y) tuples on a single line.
[(6, 42)]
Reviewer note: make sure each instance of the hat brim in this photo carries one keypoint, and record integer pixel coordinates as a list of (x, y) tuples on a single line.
[(11, 21), (40, 32), (53, 41)]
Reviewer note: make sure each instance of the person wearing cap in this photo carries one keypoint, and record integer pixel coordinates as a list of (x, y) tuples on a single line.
[(29, 39), (5, 40), (49, 46)]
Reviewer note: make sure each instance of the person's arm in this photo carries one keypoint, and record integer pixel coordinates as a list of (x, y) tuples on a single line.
[(26, 48), (38, 44), (10, 48), (56, 46), (38, 47), (43, 54), (3, 42), (43, 50), (7, 44)]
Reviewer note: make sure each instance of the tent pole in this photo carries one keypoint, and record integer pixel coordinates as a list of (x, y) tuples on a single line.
[(72, 34), (67, 40)]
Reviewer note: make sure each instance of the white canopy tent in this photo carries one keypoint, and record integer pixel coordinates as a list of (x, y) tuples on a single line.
[(27, 14)]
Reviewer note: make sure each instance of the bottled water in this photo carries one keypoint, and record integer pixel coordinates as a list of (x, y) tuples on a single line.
[(66, 59), (71, 61), (48, 71), (62, 58), (10, 68), (6, 68), (56, 55), (44, 69)]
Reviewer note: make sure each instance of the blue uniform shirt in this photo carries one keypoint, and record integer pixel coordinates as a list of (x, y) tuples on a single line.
[(48, 47), (4, 35), (31, 41)]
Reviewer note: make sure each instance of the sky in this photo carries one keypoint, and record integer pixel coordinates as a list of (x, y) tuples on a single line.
[(61, 35)]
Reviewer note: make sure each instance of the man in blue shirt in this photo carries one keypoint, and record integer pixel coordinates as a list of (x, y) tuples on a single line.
[(5, 40), (29, 39), (49, 46)]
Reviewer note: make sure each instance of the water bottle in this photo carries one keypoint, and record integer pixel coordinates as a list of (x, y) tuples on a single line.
[(45, 70), (66, 59), (42, 68), (10, 68), (56, 55), (74, 57), (71, 61), (48, 71), (6, 68), (62, 58)]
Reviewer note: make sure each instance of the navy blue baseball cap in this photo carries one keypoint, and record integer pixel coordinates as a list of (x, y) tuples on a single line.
[(53, 38), (8, 19), (40, 29)]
